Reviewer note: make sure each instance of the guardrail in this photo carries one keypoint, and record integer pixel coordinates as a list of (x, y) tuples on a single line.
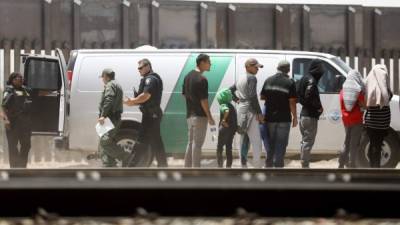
[(205, 192)]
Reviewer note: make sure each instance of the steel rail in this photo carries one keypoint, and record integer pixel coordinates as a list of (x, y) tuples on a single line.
[(210, 192)]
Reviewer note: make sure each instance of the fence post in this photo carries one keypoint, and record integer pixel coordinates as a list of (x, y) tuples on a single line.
[(96, 45), (76, 11), (351, 34), (342, 53), (377, 34), (396, 71), (279, 24), (203, 25), (66, 48), (26, 45), (17, 54), (134, 24), (85, 44), (46, 32), (331, 50), (36, 46), (106, 45), (360, 56), (155, 23), (386, 58), (231, 26), (305, 29), (125, 5), (7, 61), (367, 60)]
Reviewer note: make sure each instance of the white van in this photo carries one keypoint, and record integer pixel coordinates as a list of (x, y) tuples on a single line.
[(71, 110)]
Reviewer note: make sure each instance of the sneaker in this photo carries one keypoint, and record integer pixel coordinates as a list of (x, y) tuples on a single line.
[(305, 165)]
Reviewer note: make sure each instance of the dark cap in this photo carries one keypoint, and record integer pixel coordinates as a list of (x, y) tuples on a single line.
[(283, 64), (253, 62)]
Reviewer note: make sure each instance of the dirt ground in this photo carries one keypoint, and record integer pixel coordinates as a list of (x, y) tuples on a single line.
[(44, 155)]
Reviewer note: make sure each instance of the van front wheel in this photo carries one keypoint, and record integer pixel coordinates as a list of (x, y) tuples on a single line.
[(390, 151), (126, 138)]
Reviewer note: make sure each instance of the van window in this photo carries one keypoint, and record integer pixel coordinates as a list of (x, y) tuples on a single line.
[(43, 74), (330, 82)]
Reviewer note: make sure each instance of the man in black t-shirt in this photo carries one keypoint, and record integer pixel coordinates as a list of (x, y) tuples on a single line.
[(279, 93), (195, 91)]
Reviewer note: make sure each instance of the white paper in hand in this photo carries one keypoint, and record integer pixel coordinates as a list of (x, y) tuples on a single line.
[(103, 129)]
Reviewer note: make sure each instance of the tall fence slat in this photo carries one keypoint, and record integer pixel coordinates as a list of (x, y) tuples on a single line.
[(7, 61), (17, 55), (396, 71), (367, 60), (386, 57)]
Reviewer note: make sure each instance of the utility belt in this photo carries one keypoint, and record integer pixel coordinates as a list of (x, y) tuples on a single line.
[(154, 110)]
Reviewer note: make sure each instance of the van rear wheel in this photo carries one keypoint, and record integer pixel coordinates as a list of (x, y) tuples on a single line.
[(390, 151), (126, 138)]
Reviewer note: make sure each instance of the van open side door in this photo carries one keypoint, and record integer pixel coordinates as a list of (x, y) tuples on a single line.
[(46, 76)]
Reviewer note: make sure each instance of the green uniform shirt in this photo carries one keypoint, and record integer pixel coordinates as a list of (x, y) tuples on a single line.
[(111, 100)]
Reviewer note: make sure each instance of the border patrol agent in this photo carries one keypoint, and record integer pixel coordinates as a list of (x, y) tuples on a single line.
[(111, 107), (16, 106), (149, 99)]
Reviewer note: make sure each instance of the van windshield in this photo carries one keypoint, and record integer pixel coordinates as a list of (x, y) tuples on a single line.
[(341, 64)]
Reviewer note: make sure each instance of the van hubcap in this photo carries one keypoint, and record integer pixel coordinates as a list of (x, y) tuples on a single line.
[(385, 154), (126, 144)]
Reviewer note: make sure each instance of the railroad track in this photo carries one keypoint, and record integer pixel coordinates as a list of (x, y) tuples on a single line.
[(208, 192)]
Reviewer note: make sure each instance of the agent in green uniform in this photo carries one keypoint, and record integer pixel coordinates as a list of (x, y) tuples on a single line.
[(111, 107)]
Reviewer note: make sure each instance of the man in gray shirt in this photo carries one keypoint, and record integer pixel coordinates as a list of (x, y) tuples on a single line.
[(249, 111)]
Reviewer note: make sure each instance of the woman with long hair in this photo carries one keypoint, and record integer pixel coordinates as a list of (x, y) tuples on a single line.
[(377, 117)]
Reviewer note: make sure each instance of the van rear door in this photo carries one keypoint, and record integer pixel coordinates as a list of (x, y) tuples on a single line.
[(46, 76)]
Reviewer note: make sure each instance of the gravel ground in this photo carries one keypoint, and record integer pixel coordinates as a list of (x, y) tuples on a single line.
[(172, 162), (242, 217), (197, 221), (42, 155)]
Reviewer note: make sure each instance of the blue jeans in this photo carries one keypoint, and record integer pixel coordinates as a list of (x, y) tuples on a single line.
[(278, 136), (244, 149)]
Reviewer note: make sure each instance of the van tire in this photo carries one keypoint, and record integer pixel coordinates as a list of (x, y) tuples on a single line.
[(126, 138), (390, 150)]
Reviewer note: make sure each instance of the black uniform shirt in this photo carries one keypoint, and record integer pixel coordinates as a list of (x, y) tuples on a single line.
[(277, 90), (16, 101), (153, 85)]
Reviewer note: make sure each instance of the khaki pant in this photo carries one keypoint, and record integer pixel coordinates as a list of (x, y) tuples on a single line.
[(197, 130)]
